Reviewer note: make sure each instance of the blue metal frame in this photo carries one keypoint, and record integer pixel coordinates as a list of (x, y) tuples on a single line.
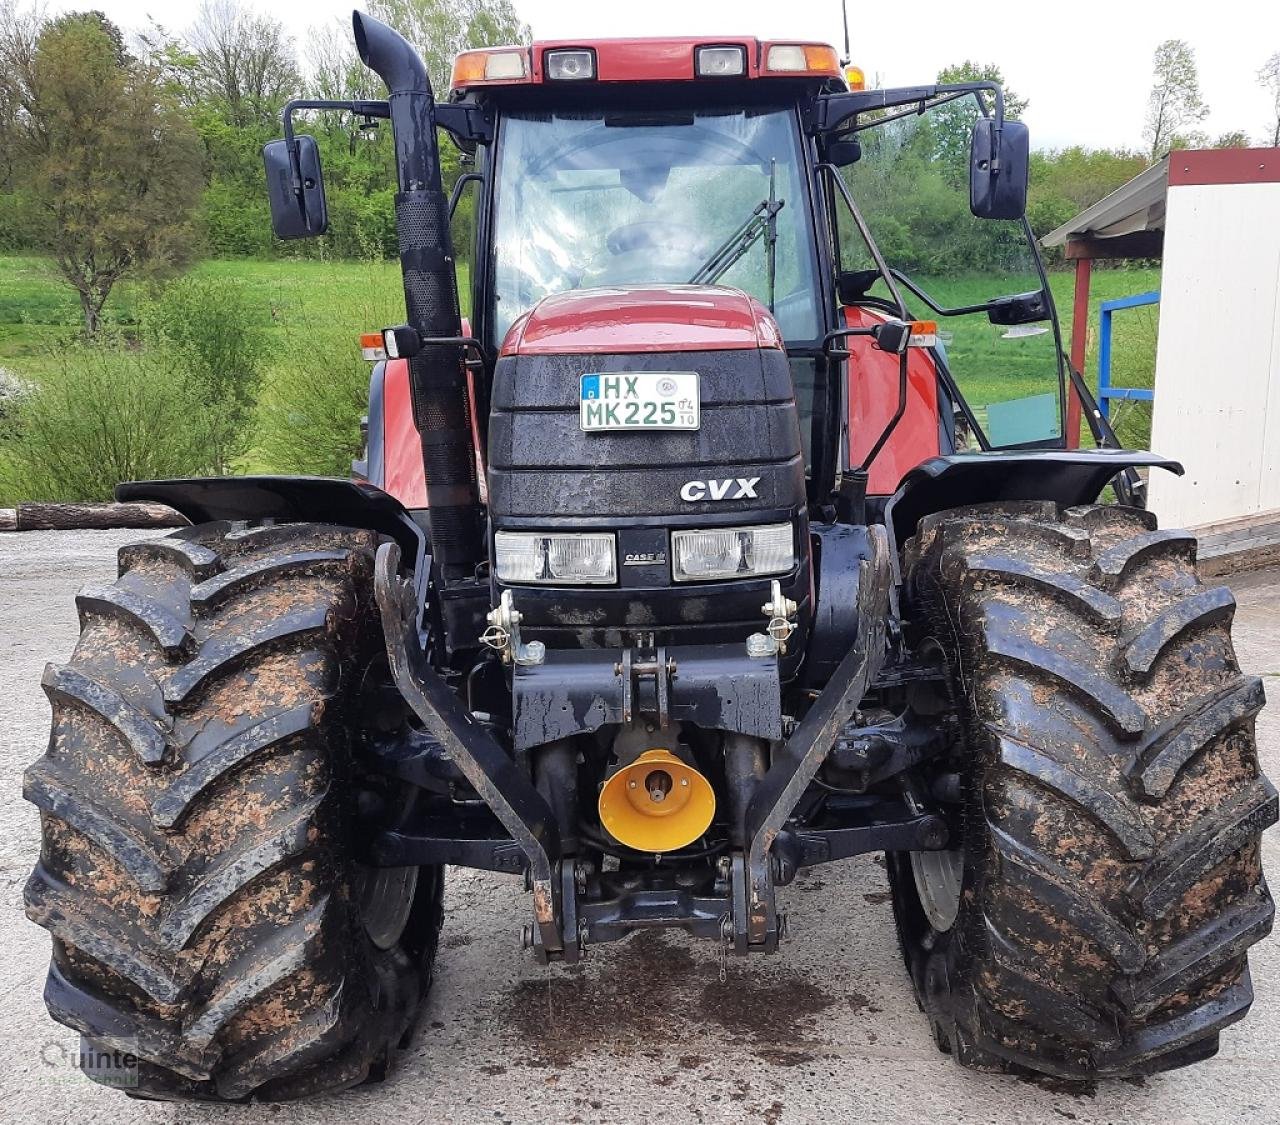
[(1106, 391)]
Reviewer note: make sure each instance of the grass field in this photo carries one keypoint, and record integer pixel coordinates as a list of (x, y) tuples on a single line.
[(38, 311), (994, 364), (299, 299)]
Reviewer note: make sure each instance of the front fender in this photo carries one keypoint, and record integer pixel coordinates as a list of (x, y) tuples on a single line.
[(309, 499), (1067, 476)]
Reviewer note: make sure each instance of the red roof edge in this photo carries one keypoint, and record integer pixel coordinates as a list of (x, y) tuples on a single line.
[(1224, 166)]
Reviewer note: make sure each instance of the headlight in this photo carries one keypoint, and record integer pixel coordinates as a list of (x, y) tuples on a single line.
[(570, 559), (719, 62), (571, 66), (732, 552)]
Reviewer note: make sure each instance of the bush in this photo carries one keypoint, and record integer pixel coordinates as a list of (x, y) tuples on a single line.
[(107, 414), (236, 222), (211, 327), (309, 420)]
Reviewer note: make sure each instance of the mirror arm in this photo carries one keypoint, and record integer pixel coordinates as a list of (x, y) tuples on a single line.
[(962, 310), (835, 109), (359, 107), (915, 109)]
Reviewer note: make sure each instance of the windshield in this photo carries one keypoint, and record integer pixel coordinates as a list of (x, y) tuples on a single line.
[(715, 196), (912, 186)]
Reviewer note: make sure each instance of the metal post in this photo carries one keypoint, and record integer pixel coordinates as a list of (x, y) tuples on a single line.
[(1106, 392), (1104, 359), (1079, 340)]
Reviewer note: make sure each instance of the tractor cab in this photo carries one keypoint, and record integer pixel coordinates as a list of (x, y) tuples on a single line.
[(752, 165)]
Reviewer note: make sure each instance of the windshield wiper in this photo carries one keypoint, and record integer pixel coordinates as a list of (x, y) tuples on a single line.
[(762, 222)]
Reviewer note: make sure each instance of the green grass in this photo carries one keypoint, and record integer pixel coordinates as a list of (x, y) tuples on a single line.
[(39, 312), (991, 367)]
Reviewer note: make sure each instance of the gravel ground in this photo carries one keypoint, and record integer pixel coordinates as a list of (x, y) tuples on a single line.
[(651, 1029)]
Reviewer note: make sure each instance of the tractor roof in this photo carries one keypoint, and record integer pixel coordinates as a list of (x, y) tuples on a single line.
[(682, 59)]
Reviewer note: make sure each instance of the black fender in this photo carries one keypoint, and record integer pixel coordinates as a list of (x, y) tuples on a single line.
[(307, 499), (1065, 476)]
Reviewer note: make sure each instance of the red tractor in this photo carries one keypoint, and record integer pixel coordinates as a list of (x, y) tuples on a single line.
[(783, 555)]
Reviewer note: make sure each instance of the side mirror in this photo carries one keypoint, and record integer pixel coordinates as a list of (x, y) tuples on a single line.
[(1019, 308), (999, 160), (295, 187), (843, 152)]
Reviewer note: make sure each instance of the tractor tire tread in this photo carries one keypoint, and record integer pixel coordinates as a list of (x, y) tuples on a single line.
[(1114, 806), (194, 872)]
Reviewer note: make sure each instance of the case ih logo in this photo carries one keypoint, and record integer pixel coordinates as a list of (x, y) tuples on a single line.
[(738, 488)]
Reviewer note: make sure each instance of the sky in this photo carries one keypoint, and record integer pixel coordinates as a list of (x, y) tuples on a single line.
[(1086, 72)]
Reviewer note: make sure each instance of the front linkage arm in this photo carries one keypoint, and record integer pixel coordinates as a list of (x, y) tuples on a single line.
[(508, 792), (796, 763)]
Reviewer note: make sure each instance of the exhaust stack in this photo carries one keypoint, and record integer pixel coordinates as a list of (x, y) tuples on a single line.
[(437, 378)]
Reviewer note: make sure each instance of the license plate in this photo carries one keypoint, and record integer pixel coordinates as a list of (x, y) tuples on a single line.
[(640, 400)]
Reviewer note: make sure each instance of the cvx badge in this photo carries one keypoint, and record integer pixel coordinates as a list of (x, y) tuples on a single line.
[(734, 488)]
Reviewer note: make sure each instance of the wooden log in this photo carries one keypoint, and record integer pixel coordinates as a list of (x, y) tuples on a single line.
[(8, 519), (42, 516)]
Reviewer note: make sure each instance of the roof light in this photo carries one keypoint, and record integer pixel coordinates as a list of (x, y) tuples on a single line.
[(856, 77), (719, 62), (507, 65), (801, 58), (785, 58), (571, 66), (820, 57)]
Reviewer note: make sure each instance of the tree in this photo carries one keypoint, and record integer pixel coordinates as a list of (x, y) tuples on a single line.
[(336, 71), (1269, 76), (968, 71), (111, 166), (440, 29), (1237, 138), (1064, 183), (1175, 103), (243, 62), (18, 34), (951, 126)]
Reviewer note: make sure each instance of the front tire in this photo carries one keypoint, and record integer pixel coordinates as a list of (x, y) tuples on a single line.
[(195, 868), (1112, 804)]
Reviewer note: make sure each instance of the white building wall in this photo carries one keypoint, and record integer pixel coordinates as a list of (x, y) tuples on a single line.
[(1217, 397)]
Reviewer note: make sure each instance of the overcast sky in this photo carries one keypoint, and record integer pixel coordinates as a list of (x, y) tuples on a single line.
[(1086, 73)]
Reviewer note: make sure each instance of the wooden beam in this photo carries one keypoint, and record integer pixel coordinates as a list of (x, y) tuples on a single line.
[(1079, 340), (1140, 244), (42, 516)]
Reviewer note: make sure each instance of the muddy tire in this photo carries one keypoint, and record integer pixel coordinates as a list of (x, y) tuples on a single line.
[(194, 869), (1108, 879)]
